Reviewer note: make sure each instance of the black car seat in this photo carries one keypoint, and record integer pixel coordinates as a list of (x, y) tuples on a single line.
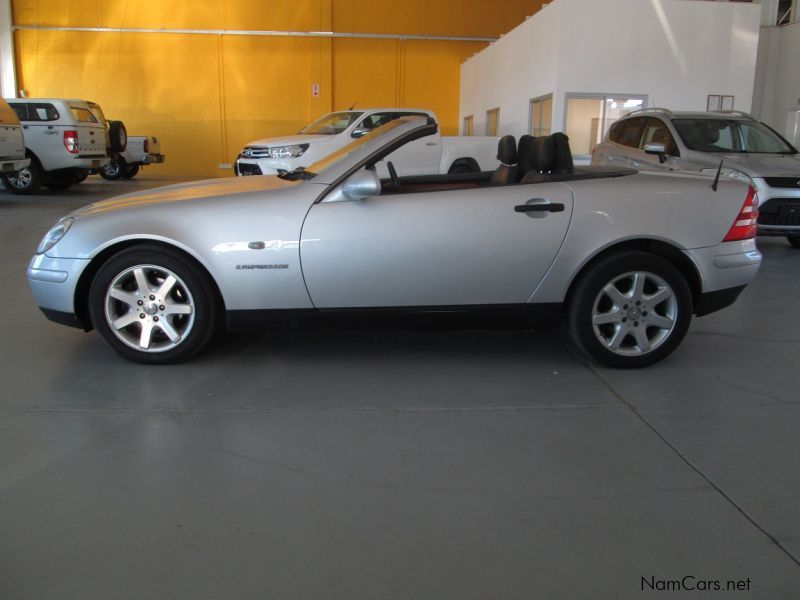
[(524, 155), (506, 173), (542, 160), (562, 159)]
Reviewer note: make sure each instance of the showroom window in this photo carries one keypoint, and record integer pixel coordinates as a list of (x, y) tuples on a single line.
[(588, 116), (469, 125), (492, 121), (540, 115)]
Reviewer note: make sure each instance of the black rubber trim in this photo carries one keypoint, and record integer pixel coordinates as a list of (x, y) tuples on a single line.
[(493, 316), (63, 318), (91, 156), (710, 302)]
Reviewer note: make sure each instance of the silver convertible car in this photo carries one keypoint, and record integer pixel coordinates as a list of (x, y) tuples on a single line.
[(624, 259)]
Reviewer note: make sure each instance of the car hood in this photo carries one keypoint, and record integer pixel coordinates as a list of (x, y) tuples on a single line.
[(291, 140), (765, 165), (195, 191)]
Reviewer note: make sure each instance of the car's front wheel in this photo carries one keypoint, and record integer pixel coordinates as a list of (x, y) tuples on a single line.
[(794, 240), (153, 305), (630, 310)]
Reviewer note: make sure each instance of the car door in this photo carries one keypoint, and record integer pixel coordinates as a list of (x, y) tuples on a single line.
[(465, 247)]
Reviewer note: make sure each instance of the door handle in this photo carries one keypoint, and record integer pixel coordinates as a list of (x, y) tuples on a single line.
[(541, 206), (430, 143)]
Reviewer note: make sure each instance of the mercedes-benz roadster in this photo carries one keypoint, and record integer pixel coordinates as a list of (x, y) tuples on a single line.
[(624, 259)]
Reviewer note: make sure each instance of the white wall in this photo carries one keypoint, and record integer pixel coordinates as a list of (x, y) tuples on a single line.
[(676, 52), (777, 93)]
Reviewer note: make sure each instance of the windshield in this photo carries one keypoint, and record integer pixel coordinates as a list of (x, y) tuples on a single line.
[(332, 124), (341, 154), (730, 135)]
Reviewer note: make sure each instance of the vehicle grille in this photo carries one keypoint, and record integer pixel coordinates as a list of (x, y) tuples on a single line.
[(255, 152), (783, 182), (247, 169), (780, 211)]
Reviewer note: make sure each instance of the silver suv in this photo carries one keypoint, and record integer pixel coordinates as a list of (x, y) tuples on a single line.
[(659, 139)]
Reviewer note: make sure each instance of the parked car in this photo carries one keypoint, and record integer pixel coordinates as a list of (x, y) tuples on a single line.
[(140, 151), (64, 139), (12, 144), (625, 258), (454, 154), (659, 139)]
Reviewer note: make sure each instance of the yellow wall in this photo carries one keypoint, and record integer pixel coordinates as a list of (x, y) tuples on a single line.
[(205, 96)]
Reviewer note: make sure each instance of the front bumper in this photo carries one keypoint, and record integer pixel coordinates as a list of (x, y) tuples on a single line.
[(779, 206), (53, 282)]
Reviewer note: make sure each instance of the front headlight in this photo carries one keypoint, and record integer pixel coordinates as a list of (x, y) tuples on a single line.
[(731, 174), (53, 236), (292, 151)]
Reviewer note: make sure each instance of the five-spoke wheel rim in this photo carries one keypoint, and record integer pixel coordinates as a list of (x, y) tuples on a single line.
[(634, 313), (149, 308)]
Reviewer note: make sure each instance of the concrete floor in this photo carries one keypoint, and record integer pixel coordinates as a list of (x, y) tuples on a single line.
[(394, 465)]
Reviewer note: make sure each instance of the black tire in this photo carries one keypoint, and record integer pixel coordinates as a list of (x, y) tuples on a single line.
[(629, 326), (118, 135), (130, 171), (124, 272), (27, 181), (794, 240), (113, 170), (58, 182)]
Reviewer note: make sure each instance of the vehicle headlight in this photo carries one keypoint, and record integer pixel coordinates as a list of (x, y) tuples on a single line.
[(54, 236), (731, 174), (292, 151)]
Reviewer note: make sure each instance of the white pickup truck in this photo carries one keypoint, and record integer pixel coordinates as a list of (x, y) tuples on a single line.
[(429, 155), (141, 150), (12, 144), (64, 140)]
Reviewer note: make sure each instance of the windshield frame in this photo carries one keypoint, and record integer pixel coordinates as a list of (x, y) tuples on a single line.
[(735, 125), (353, 116)]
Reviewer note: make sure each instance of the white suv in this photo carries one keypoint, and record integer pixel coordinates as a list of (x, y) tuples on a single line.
[(663, 140), (64, 139)]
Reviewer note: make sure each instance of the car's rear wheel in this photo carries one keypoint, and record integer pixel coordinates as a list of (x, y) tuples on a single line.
[(130, 171), (794, 240), (27, 181), (630, 310), (152, 305), (114, 170)]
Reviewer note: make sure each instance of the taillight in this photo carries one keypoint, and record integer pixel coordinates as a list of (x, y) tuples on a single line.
[(71, 141), (146, 146), (746, 224)]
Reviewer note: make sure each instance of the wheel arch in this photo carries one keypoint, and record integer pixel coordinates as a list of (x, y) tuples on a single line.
[(81, 301), (660, 248)]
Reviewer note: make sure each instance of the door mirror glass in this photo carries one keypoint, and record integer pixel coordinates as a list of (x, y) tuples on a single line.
[(362, 185)]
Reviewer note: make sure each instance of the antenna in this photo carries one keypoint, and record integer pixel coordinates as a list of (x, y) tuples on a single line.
[(354, 105), (715, 185)]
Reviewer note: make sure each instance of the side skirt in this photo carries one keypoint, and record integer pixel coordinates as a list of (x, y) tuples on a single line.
[(503, 316)]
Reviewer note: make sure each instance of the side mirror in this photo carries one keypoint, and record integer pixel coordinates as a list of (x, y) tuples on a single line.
[(362, 185), (357, 133), (657, 149)]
